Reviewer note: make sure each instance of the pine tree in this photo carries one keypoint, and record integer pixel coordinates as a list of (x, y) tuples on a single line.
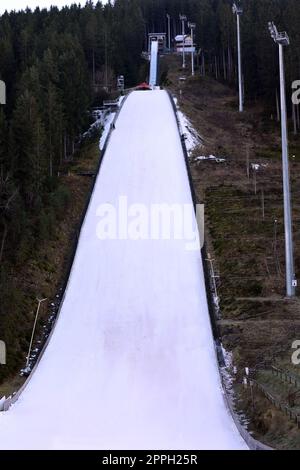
[(30, 152)]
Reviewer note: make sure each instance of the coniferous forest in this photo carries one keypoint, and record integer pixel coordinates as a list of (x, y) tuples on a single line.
[(55, 61)]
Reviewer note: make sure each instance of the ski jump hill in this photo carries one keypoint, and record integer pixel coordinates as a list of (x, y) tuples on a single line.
[(131, 362)]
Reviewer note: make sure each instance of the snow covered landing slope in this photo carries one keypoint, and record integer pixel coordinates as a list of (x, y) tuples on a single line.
[(131, 363)]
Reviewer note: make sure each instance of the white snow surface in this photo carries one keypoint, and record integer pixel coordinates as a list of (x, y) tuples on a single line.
[(131, 363)]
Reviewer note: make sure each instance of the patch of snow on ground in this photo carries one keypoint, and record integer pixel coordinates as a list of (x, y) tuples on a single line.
[(192, 138), (228, 379), (100, 117), (2, 400), (210, 158), (228, 371), (106, 128), (258, 166), (109, 118), (103, 119)]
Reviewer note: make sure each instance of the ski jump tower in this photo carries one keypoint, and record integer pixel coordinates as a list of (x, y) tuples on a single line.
[(153, 77)]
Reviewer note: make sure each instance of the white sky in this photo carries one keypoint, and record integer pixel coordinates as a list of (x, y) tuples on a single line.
[(22, 4)]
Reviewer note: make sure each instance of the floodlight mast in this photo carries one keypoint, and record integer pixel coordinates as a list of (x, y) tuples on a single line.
[(238, 11), (183, 18), (169, 31), (192, 26), (282, 39)]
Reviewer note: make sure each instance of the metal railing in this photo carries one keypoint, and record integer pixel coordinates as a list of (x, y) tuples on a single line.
[(111, 102), (285, 376), (292, 415)]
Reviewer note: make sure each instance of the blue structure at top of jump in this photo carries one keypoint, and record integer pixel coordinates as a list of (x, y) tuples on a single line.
[(153, 64)]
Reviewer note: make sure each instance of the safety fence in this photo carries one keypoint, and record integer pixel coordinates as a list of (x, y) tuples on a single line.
[(291, 414), (252, 443), (286, 376), (111, 103)]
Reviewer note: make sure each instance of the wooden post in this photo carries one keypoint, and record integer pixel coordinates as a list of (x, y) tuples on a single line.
[(255, 182), (248, 161), (94, 82), (229, 64), (263, 203), (224, 65), (294, 119), (65, 145), (277, 107)]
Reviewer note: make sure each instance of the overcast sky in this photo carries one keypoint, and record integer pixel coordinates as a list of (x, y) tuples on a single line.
[(22, 4)]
